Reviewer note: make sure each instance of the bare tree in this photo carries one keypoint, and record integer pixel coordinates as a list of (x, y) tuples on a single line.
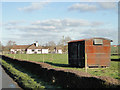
[(67, 39), (9, 45), (64, 41), (51, 43), (61, 42)]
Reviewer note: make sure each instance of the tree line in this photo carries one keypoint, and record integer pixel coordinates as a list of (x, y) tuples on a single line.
[(51, 44)]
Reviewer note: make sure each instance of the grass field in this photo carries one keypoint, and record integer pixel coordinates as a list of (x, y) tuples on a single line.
[(61, 61), (26, 79), (115, 57)]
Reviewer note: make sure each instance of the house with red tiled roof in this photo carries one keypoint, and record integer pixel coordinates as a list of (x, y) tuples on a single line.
[(29, 49)]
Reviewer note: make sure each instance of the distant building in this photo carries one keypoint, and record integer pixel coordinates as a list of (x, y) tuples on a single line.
[(29, 49), (114, 45), (58, 50), (115, 49)]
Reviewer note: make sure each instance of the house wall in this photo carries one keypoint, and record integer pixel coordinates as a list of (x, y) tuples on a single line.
[(29, 51), (44, 51), (15, 50), (59, 51)]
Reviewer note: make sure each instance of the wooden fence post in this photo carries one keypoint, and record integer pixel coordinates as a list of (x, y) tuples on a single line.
[(14, 55), (85, 62), (52, 57), (43, 58), (20, 56), (27, 56)]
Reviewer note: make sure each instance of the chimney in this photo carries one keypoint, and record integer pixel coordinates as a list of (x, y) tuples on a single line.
[(36, 44)]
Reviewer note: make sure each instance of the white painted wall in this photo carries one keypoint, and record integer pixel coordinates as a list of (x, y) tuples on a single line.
[(60, 51), (29, 51), (12, 50), (44, 51), (38, 52), (15, 50)]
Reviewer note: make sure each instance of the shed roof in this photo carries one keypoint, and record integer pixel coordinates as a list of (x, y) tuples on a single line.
[(89, 39)]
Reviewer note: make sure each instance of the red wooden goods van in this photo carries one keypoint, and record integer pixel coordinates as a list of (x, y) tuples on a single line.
[(97, 50)]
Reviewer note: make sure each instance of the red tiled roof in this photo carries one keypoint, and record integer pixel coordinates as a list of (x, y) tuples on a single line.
[(34, 47), (20, 46)]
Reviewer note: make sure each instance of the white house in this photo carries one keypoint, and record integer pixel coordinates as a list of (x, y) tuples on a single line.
[(29, 49), (58, 50)]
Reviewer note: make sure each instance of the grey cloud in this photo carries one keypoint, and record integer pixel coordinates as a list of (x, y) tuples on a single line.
[(55, 25), (63, 23), (34, 6), (108, 5), (107, 33), (30, 27), (97, 23), (15, 22), (91, 7), (83, 7)]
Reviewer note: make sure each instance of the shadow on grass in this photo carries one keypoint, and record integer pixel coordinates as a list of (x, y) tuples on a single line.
[(33, 76), (59, 65), (63, 65), (115, 59)]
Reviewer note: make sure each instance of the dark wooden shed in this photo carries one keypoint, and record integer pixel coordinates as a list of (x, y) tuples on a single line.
[(97, 51)]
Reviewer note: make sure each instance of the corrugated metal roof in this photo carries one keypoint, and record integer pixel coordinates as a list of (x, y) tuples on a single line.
[(88, 39)]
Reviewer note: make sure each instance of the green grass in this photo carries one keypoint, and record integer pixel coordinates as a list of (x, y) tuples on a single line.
[(112, 71), (115, 57), (61, 60), (55, 58), (27, 79), (21, 78)]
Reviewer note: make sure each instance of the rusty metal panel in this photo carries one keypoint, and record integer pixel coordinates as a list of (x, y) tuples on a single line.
[(98, 55), (106, 42)]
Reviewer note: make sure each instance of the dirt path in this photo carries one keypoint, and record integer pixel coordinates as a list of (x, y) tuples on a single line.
[(7, 81)]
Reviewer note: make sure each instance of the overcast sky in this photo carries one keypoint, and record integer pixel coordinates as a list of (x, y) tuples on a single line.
[(27, 22)]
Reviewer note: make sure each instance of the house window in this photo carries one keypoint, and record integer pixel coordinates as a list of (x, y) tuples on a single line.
[(97, 42), (39, 50), (33, 50)]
